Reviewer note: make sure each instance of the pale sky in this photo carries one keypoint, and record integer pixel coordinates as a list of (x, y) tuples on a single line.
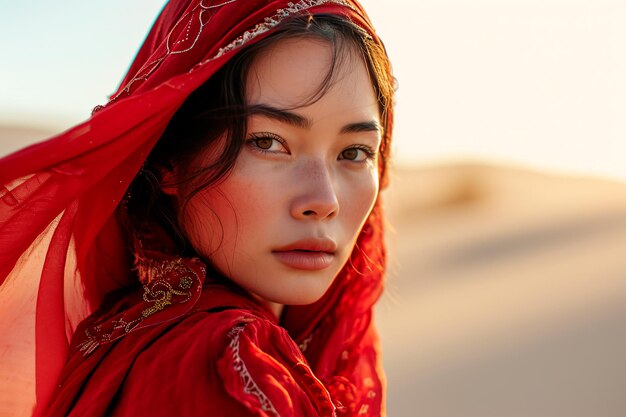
[(538, 83)]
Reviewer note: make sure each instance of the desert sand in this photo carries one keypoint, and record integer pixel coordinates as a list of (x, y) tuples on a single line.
[(505, 293)]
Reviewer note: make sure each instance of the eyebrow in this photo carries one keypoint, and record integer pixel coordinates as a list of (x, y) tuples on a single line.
[(371, 126), (293, 119)]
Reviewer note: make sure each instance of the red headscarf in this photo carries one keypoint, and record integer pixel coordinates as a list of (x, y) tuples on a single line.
[(61, 238)]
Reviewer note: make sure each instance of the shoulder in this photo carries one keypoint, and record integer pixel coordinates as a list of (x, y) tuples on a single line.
[(221, 362), (166, 351), (263, 368)]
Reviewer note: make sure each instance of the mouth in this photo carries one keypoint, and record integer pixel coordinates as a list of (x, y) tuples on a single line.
[(324, 244), (308, 254)]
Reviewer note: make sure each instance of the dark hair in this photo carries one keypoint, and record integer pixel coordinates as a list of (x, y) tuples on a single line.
[(219, 107)]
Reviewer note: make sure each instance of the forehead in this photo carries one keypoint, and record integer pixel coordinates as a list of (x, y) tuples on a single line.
[(291, 72)]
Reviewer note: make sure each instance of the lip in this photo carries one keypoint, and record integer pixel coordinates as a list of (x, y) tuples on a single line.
[(311, 245), (311, 254)]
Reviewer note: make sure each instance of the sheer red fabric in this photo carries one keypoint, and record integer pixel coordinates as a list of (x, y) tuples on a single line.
[(62, 249)]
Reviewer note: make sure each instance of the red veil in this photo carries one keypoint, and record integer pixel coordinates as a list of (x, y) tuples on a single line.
[(61, 239)]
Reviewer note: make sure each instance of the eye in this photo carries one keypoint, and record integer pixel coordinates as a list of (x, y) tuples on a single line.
[(267, 142), (360, 153), (264, 143)]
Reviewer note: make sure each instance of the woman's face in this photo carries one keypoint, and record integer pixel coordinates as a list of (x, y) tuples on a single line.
[(285, 220)]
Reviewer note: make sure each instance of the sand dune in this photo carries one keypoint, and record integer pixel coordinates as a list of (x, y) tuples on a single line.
[(506, 294)]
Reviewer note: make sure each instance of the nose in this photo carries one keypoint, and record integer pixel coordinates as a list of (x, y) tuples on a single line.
[(316, 198)]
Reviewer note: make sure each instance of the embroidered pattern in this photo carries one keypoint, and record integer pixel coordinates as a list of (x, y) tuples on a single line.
[(188, 29), (305, 343), (151, 270), (202, 21), (90, 344), (160, 293), (269, 23), (157, 295), (249, 386)]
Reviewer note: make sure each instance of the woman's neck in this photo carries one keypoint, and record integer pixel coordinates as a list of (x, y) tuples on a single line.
[(276, 308)]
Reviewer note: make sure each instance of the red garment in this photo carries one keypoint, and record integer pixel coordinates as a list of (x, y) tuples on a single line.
[(212, 351), (62, 250)]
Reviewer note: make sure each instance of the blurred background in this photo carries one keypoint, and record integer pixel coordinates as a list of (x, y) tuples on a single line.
[(507, 205)]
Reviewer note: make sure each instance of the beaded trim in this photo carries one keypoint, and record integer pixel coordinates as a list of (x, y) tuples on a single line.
[(151, 270), (189, 24), (269, 23), (157, 295), (149, 67), (249, 386), (161, 298)]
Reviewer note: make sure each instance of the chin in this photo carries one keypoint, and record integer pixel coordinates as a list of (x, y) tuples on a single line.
[(301, 301), (303, 295)]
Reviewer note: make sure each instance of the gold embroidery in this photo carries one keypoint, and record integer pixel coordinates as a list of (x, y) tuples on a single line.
[(185, 283), (162, 298), (158, 294), (190, 40), (183, 44), (269, 23), (151, 270)]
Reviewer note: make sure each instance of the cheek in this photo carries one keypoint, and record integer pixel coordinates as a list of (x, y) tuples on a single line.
[(202, 222), (357, 199), (226, 217), (246, 203)]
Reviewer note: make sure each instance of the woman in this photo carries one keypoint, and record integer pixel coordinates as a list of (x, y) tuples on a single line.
[(221, 216)]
